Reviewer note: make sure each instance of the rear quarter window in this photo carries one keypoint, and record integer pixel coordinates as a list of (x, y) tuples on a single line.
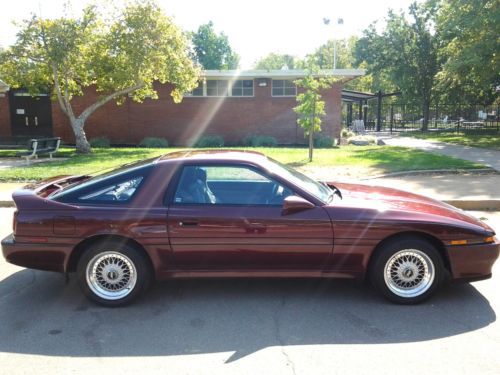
[(115, 189), (117, 192)]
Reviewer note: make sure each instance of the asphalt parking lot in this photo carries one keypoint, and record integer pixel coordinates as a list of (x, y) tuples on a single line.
[(245, 327)]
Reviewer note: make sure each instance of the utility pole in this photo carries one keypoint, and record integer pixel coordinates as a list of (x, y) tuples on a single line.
[(338, 21)]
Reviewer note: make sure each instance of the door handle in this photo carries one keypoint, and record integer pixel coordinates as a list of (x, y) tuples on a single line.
[(256, 228), (188, 223), (36, 121), (26, 120), (256, 225)]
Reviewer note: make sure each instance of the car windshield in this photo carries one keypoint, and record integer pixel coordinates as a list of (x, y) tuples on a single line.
[(315, 188)]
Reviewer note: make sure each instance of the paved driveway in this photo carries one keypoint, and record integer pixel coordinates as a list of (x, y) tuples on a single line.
[(490, 158), (244, 327)]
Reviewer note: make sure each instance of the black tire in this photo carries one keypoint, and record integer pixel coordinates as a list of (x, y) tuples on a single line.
[(407, 270), (116, 263)]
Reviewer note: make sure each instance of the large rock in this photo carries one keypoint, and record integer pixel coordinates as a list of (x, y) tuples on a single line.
[(358, 142)]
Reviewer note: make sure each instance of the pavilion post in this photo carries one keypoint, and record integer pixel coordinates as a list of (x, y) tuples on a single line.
[(379, 110), (392, 116), (365, 113)]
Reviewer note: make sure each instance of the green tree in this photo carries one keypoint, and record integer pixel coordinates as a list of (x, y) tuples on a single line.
[(406, 52), (311, 107), (323, 56), (346, 59), (277, 61), (471, 49), (119, 57), (213, 51)]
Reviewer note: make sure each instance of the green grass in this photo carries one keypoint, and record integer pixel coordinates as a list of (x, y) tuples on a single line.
[(476, 140), (385, 159)]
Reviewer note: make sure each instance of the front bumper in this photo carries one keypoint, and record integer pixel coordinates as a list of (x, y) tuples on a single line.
[(47, 257), (473, 262)]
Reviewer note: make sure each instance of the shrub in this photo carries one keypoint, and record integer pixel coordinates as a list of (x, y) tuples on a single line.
[(260, 141), (346, 133), (152, 142), (100, 142), (323, 142), (210, 141)]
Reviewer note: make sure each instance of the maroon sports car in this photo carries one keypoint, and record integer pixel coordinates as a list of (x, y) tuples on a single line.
[(240, 214)]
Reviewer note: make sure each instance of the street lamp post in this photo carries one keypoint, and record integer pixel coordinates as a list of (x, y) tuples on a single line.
[(338, 21)]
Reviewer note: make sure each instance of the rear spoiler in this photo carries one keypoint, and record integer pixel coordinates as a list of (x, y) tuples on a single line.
[(35, 196)]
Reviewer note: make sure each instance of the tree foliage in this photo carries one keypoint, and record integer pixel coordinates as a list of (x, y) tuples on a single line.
[(119, 57), (471, 50), (323, 56), (311, 107), (346, 59), (407, 52), (278, 61), (213, 51)]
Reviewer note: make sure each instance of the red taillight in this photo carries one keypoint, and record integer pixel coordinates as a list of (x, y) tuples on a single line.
[(14, 221)]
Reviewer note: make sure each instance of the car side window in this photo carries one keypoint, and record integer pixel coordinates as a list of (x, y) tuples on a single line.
[(228, 185), (118, 192)]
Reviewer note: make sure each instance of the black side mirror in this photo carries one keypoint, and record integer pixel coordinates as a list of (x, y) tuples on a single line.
[(294, 203)]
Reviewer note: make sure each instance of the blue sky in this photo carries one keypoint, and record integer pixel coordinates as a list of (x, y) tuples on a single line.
[(254, 27)]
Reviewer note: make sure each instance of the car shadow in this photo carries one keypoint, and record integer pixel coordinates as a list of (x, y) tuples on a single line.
[(41, 315)]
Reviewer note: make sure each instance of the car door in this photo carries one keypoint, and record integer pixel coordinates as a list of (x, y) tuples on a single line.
[(234, 220)]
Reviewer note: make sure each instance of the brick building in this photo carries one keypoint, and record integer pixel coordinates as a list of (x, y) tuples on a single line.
[(232, 104)]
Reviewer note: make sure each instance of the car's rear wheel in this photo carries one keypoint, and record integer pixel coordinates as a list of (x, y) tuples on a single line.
[(113, 273), (407, 271)]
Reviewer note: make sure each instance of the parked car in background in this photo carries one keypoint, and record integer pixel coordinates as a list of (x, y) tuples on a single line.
[(240, 214)]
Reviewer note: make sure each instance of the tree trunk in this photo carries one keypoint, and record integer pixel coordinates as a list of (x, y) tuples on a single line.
[(426, 112), (82, 145), (311, 144), (77, 123), (311, 133)]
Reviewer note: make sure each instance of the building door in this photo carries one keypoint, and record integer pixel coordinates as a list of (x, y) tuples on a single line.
[(31, 117)]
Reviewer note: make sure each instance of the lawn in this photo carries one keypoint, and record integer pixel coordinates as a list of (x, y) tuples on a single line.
[(476, 140), (382, 159)]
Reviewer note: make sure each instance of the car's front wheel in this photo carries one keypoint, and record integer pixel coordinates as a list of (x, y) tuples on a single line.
[(113, 273), (407, 271)]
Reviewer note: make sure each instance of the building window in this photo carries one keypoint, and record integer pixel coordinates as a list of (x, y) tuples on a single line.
[(242, 87), (198, 91), (217, 87), (284, 87), (223, 87)]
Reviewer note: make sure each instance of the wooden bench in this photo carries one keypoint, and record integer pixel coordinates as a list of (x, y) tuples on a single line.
[(40, 147)]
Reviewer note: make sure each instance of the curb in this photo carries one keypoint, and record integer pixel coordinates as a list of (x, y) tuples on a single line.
[(476, 205), (424, 172)]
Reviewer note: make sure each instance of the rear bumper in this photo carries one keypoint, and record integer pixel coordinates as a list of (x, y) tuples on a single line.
[(47, 257), (473, 262)]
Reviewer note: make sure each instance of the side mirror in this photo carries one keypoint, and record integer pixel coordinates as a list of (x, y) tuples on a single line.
[(294, 203)]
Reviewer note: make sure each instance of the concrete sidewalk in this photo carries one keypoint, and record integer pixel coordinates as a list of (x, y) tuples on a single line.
[(6, 190), (6, 163), (468, 191), (488, 157)]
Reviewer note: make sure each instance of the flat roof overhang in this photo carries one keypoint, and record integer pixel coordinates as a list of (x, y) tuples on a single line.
[(356, 96), (344, 75), (3, 87)]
